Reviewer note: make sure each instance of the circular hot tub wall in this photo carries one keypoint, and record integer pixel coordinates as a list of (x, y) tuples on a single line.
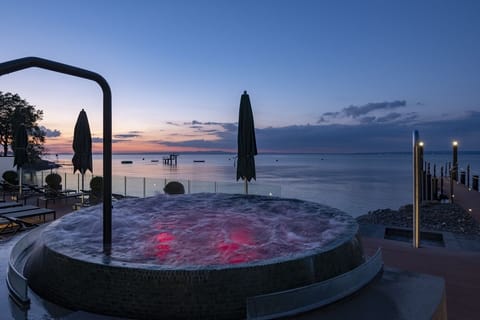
[(62, 272)]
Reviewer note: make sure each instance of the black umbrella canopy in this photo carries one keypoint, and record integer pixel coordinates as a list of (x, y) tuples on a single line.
[(82, 145), (20, 146), (247, 144)]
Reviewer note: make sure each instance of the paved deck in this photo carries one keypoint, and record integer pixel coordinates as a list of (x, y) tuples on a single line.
[(460, 269)]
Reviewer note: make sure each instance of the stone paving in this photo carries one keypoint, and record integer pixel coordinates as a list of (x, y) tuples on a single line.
[(459, 267)]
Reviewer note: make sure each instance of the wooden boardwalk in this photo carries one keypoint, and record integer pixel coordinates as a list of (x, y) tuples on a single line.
[(466, 198)]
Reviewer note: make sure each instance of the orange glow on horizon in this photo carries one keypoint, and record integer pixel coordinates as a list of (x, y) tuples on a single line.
[(53, 146)]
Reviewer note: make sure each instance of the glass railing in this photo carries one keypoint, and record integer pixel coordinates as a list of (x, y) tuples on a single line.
[(144, 187)]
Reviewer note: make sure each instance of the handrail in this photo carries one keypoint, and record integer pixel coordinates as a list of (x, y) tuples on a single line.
[(30, 62), (310, 297), (16, 282)]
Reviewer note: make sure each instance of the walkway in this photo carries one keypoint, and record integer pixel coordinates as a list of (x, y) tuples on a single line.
[(467, 199)]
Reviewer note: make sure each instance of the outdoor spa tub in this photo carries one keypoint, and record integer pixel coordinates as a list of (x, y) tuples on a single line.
[(190, 256)]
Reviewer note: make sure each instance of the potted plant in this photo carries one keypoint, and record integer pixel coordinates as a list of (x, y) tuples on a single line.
[(10, 177), (54, 181), (96, 190)]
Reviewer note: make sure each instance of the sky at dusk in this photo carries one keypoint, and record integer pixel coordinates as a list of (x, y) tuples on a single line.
[(323, 76)]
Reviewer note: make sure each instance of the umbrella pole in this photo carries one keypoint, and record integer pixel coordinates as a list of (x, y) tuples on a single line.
[(83, 177), (246, 186), (20, 184)]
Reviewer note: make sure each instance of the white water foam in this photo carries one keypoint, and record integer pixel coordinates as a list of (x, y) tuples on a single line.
[(201, 229)]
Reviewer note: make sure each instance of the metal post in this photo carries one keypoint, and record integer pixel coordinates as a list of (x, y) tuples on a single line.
[(452, 195), (429, 183), (468, 176), (422, 183), (455, 160), (29, 62), (144, 187), (125, 186), (441, 181), (416, 188)]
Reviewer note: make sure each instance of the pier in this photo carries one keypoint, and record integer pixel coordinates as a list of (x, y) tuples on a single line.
[(170, 159), (466, 197)]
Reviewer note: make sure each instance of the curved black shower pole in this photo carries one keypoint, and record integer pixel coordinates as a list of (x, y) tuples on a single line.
[(30, 62)]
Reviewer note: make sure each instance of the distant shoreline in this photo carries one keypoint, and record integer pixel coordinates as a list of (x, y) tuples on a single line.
[(274, 153)]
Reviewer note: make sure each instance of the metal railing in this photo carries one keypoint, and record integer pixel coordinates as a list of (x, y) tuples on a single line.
[(141, 187)]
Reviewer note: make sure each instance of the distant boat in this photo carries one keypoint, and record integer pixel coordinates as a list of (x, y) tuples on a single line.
[(127, 161), (154, 160), (198, 160)]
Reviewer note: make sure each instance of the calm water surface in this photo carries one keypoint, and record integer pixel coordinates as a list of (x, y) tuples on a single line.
[(354, 183)]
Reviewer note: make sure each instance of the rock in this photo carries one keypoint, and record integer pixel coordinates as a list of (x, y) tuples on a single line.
[(434, 216)]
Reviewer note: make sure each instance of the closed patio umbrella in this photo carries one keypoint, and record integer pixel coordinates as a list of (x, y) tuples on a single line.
[(82, 146), (246, 142), (20, 153)]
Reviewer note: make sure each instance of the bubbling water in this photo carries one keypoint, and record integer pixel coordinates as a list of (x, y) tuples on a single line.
[(200, 230)]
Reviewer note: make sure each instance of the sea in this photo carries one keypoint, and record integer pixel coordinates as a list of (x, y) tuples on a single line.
[(354, 183)]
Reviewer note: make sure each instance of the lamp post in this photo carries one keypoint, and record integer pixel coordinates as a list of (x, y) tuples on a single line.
[(421, 171), (417, 182), (455, 161)]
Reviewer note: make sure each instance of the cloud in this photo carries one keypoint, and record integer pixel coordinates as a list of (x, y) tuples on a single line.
[(208, 123), (49, 133), (389, 133), (230, 127), (127, 135), (211, 128), (367, 120), (389, 117), (358, 112), (354, 111), (100, 140)]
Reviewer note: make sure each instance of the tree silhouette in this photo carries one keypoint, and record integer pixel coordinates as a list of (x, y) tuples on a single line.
[(14, 111)]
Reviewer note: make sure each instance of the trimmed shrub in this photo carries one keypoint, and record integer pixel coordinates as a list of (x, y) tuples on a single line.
[(96, 190), (10, 176), (174, 187), (54, 181)]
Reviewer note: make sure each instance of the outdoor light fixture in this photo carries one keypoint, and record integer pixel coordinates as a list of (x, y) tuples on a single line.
[(455, 160), (417, 185)]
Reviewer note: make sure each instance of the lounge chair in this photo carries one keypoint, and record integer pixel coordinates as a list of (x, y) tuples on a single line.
[(15, 224), (8, 188), (9, 204), (26, 211), (52, 195)]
